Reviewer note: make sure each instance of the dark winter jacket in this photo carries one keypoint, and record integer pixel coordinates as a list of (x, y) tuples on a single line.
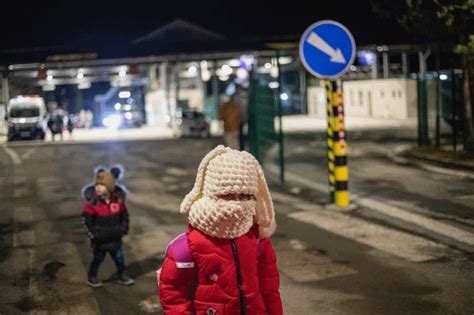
[(104, 223)]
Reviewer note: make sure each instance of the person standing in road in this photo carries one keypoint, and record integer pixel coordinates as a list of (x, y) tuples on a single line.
[(225, 262), (105, 219), (230, 113), (70, 125)]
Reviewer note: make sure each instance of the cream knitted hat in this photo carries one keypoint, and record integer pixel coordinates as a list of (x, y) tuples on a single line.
[(225, 171)]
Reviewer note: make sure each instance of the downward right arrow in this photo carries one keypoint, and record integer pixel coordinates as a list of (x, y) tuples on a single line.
[(316, 41)]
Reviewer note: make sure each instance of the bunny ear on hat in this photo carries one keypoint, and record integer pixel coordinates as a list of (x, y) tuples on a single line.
[(265, 213), (117, 171), (196, 192)]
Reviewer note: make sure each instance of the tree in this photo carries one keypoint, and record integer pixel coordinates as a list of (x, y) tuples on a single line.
[(441, 21)]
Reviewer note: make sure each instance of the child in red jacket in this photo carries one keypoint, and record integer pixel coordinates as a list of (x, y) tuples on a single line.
[(105, 219), (225, 263)]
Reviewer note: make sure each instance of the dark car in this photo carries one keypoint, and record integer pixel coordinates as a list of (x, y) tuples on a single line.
[(192, 123)]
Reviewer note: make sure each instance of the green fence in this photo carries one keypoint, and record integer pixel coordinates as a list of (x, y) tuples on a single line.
[(265, 142)]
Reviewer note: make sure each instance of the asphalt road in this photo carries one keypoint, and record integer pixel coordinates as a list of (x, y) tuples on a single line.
[(358, 262)]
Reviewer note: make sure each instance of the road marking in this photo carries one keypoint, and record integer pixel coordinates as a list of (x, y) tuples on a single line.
[(23, 215), (69, 285), (150, 305), (422, 221), (395, 212), (13, 155), (400, 244), (24, 238), (27, 154)]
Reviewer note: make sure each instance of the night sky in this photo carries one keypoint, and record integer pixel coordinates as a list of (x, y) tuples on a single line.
[(91, 24)]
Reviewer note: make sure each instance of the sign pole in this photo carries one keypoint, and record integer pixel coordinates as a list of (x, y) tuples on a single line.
[(330, 143), (327, 50), (341, 171)]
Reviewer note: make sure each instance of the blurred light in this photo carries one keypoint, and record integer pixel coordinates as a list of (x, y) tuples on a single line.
[(192, 69), (167, 118), (179, 114), (179, 121), (112, 121), (125, 94), (49, 78), (224, 77), (80, 75), (247, 61), (274, 72), (206, 75), (366, 57), (285, 60), (268, 65), (273, 85), (84, 85), (284, 96), (127, 107), (117, 106), (234, 63), (48, 87), (225, 70), (353, 68), (122, 73), (443, 77), (128, 115), (242, 73)]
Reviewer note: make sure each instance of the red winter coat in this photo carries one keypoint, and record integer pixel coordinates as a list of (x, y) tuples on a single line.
[(220, 283)]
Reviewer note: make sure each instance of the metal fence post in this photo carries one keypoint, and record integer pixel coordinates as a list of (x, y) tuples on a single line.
[(280, 113)]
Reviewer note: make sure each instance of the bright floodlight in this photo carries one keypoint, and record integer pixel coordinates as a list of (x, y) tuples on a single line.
[(443, 77), (112, 121), (284, 97)]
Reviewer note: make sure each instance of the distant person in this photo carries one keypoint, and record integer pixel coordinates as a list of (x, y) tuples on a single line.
[(230, 113), (105, 219), (70, 125), (89, 119), (225, 263), (82, 118), (56, 123)]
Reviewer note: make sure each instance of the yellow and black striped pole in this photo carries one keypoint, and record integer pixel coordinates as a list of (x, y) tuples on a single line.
[(330, 142), (341, 170)]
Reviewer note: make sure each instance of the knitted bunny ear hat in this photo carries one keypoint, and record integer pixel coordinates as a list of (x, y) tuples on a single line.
[(225, 171)]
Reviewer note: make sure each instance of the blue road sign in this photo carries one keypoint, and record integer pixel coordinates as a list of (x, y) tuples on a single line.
[(327, 49)]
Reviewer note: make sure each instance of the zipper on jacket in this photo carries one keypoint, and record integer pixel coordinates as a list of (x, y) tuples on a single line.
[(239, 277)]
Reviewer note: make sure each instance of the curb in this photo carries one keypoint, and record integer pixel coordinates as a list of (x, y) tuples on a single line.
[(444, 162), (404, 155)]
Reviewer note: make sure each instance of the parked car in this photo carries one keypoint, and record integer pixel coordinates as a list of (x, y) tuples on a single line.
[(192, 123)]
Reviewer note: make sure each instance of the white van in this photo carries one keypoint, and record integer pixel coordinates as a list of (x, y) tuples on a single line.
[(26, 117)]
